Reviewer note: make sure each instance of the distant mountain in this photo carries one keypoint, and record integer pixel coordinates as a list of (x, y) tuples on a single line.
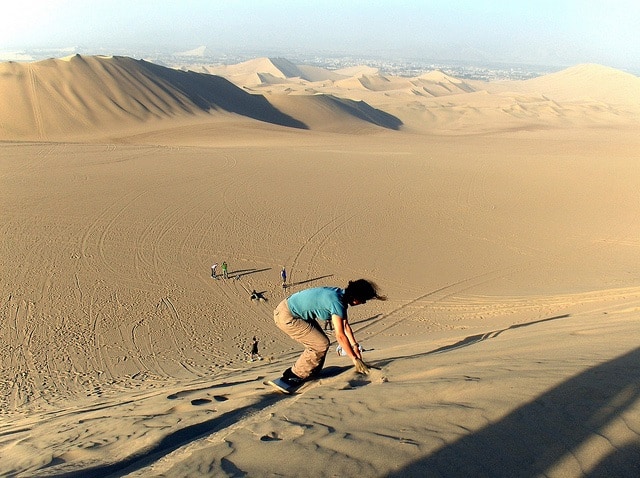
[(196, 52)]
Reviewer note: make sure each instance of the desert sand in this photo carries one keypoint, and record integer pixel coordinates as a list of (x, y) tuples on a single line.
[(501, 219)]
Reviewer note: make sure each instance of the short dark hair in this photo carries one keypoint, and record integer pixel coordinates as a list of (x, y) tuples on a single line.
[(362, 290)]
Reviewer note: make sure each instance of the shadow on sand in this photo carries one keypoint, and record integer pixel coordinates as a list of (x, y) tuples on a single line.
[(526, 443), (293, 284), (245, 272), (466, 342), (188, 434), (474, 339), (172, 442), (536, 436), (211, 92)]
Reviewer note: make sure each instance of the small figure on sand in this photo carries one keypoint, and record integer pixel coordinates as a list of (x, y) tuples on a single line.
[(257, 296), (297, 316), (328, 325), (225, 272), (283, 276), (213, 271), (255, 355)]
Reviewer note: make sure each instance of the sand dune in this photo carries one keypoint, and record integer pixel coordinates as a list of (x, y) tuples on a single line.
[(330, 113), (82, 96), (436, 103), (581, 83), (501, 221), (86, 95), (254, 72)]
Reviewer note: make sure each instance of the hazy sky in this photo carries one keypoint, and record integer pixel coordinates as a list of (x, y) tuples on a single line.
[(553, 32)]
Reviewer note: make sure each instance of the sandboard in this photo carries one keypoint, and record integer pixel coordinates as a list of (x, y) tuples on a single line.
[(279, 385)]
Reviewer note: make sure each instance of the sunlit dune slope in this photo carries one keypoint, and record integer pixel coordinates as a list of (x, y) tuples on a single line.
[(47, 99), (580, 83), (270, 70), (106, 97), (438, 103), (60, 99)]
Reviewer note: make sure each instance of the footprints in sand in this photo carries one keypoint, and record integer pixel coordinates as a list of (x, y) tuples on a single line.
[(352, 382), (200, 401), (271, 436), (197, 401), (204, 401), (188, 403)]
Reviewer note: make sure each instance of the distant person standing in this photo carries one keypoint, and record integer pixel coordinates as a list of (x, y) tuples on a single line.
[(255, 355), (283, 276), (328, 325), (225, 272), (213, 271)]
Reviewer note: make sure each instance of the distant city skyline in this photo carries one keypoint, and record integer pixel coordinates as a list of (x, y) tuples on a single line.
[(543, 32)]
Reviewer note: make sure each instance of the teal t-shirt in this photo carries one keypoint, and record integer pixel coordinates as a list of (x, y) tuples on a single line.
[(318, 303)]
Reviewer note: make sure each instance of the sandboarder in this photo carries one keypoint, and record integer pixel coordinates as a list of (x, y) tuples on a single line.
[(297, 316)]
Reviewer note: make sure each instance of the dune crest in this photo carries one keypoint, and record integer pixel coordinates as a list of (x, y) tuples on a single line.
[(255, 72), (437, 103), (83, 95), (99, 96), (580, 84)]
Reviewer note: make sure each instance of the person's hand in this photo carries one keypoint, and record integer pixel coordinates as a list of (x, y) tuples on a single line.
[(361, 367)]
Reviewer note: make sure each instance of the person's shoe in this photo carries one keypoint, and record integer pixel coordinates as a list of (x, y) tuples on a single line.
[(291, 378), (316, 372)]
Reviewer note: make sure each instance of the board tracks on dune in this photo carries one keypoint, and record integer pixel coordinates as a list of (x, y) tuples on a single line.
[(345, 377)]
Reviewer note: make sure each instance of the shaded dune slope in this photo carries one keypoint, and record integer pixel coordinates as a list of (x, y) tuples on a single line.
[(87, 94), (79, 95), (365, 112), (324, 112), (209, 92)]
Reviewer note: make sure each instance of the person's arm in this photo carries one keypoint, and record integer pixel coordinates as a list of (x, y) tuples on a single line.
[(348, 331), (344, 336)]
